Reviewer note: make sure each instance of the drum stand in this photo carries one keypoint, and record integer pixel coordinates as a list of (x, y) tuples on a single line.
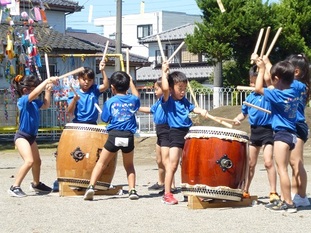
[(195, 202), (69, 189)]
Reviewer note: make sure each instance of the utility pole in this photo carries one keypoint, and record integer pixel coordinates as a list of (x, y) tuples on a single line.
[(118, 34)]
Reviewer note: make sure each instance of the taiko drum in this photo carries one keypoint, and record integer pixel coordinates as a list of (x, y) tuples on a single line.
[(214, 157), (77, 153)]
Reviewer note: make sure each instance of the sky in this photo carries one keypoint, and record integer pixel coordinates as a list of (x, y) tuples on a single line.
[(106, 8)]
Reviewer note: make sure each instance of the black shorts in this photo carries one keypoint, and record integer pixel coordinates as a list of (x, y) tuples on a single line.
[(120, 140), (163, 131), (20, 134), (177, 137), (261, 135), (302, 131), (287, 137)]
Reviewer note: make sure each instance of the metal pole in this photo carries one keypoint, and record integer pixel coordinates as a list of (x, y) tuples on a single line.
[(118, 34)]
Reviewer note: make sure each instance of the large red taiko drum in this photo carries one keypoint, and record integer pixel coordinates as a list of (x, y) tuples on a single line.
[(77, 153), (214, 163)]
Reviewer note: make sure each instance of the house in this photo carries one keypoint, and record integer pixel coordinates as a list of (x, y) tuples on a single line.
[(193, 65), (138, 26)]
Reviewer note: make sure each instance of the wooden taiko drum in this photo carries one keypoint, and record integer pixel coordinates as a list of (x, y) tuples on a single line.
[(214, 163), (78, 151)]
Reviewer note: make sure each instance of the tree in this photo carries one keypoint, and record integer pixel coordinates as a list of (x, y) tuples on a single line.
[(231, 35)]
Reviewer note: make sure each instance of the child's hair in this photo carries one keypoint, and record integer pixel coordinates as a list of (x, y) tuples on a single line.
[(159, 82), (253, 73), (176, 77), (120, 80), (301, 62), (284, 70), (88, 72), (20, 82)]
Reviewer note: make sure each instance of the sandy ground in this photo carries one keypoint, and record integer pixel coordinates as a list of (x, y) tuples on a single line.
[(52, 213)]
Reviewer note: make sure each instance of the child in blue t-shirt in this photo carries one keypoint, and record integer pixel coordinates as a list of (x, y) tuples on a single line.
[(119, 112), (28, 89), (284, 104), (177, 108), (261, 136), (162, 131), (82, 104)]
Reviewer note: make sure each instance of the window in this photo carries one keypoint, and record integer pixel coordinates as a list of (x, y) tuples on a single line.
[(144, 30)]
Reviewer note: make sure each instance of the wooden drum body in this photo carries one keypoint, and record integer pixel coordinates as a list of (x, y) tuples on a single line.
[(78, 151), (214, 163)]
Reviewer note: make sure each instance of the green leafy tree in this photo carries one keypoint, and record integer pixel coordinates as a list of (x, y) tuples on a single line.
[(231, 35)]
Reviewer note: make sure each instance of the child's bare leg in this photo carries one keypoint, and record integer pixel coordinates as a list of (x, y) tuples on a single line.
[(269, 165), (36, 167), (161, 167), (128, 163), (174, 156), (253, 157), (282, 153), (103, 161)]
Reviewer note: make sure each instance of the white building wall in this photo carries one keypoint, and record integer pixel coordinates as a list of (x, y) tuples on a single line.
[(161, 21)]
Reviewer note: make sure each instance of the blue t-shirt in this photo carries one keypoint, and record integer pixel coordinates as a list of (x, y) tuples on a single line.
[(255, 116), (284, 104), (85, 111), (119, 111), (301, 88), (29, 115), (177, 112), (159, 115)]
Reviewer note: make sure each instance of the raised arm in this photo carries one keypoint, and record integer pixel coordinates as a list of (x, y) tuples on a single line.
[(133, 88), (165, 84), (259, 86), (103, 87), (37, 91)]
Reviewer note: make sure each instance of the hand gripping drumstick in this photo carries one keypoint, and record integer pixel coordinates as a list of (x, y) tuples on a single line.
[(176, 51), (161, 49), (73, 90), (259, 108), (265, 42), (258, 43), (71, 72), (273, 42), (207, 114)]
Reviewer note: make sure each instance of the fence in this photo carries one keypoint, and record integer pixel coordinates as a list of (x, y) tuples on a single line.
[(55, 118)]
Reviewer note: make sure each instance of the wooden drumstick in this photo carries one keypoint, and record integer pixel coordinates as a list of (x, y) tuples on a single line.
[(273, 41), (161, 49), (207, 114), (247, 88), (47, 67), (71, 72), (265, 42), (218, 120), (259, 108), (258, 43), (105, 51), (127, 61), (72, 89), (98, 108), (176, 51), (224, 119), (221, 6)]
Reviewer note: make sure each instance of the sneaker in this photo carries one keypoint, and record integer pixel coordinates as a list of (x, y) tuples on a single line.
[(16, 192), (156, 187), (173, 190), (301, 201), (246, 194), (40, 188), (169, 199), (273, 196), (283, 206), (273, 203), (133, 195), (89, 193)]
